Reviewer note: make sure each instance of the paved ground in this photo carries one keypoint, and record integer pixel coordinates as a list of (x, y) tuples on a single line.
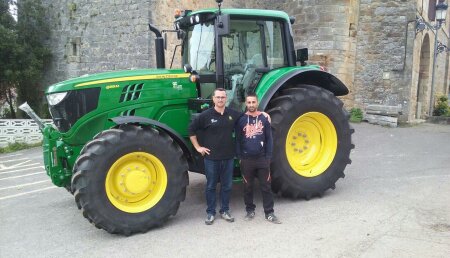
[(394, 202)]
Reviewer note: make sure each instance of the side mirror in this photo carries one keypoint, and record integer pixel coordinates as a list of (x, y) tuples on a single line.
[(187, 68), (302, 56), (223, 24)]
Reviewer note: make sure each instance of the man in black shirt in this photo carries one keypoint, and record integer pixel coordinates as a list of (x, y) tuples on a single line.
[(254, 149), (217, 146)]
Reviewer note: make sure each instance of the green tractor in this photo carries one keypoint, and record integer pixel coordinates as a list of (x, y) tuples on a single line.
[(120, 144)]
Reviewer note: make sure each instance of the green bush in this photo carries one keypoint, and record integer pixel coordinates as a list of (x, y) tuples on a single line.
[(442, 108), (17, 146), (356, 115)]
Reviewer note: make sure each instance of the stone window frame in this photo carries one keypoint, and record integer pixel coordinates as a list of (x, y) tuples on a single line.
[(73, 50)]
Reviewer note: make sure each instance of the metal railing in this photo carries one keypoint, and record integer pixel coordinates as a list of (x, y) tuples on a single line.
[(20, 130)]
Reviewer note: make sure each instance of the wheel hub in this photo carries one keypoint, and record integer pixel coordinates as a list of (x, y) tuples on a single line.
[(136, 182), (311, 144)]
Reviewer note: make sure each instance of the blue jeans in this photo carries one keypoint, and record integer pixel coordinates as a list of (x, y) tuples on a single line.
[(215, 171)]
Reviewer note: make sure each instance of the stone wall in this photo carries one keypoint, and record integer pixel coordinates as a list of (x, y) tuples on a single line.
[(383, 52), (94, 36), (328, 29), (371, 45)]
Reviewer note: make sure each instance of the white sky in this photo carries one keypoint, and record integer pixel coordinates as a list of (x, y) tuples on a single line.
[(13, 10)]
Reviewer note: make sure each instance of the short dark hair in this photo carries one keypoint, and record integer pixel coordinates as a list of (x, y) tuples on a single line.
[(251, 94), (218, 89)]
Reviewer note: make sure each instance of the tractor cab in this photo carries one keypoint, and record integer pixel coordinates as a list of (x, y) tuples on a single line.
[(233, 50)]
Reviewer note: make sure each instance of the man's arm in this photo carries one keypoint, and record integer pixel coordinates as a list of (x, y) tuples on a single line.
[(238, 135), (200, 149), (193, 128), (269, 139)]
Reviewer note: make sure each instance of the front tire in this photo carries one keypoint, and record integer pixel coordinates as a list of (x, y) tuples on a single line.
[(130, 179), (312, 141)]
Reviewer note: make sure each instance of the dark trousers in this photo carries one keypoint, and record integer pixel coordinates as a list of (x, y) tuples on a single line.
[(259, 168), (218, 171)]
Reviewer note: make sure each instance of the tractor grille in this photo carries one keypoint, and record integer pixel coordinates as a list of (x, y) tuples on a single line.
[(131, 92), (76, 104)]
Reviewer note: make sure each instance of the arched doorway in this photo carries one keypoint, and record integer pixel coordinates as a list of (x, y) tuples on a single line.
[(424, 79)]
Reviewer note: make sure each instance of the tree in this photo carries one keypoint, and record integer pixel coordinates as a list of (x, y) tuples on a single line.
[(23, 54), (10, 51), (32, 32)]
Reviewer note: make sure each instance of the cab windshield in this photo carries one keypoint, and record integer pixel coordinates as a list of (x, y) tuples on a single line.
[(199, 48)]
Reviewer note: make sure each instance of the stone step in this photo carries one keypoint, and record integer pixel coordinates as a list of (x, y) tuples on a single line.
[(381, 120), (384, 110)]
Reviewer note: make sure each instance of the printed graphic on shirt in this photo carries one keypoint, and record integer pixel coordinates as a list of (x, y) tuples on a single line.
[(213, 120), (251, 130)]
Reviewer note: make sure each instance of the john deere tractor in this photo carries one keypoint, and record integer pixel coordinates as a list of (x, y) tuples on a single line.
[(120, 143)]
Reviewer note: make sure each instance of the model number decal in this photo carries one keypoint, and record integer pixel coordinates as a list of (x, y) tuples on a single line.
[(112, 86)]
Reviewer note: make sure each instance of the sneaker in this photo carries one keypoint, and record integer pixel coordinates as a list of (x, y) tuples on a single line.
[(227, 216), (250, 215), (272, 218), (209, 219)]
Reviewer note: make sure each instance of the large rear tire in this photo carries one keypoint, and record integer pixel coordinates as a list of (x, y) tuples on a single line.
[(130, 179), (312, 141)]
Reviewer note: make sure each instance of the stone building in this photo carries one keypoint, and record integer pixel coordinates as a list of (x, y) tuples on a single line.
[(371, 45)]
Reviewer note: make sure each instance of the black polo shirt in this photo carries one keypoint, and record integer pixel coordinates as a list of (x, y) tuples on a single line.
[(215, 132)]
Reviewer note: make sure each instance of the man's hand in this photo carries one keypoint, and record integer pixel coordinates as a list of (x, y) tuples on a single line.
[(203, 150), (267, 116), (200, 149)]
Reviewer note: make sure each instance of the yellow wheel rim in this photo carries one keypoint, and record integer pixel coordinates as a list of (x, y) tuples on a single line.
[(311, 144), (136, 182)]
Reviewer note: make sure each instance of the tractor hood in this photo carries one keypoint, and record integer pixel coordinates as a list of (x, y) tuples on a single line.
[(110, 78)]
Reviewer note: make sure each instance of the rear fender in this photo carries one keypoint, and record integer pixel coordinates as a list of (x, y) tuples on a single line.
[(317, 78)]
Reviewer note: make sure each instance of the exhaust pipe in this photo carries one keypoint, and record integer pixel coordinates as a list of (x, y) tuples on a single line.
[(27, 109), (159, 44)]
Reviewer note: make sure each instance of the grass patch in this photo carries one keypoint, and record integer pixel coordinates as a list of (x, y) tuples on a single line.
[(17, 146)]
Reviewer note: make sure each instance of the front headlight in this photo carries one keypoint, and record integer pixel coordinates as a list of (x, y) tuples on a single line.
[(55, 98)]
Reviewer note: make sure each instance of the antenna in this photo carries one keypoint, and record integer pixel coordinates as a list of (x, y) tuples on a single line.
[(219, 2)]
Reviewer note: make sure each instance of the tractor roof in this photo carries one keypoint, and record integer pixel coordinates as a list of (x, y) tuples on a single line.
[(246, 12)]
